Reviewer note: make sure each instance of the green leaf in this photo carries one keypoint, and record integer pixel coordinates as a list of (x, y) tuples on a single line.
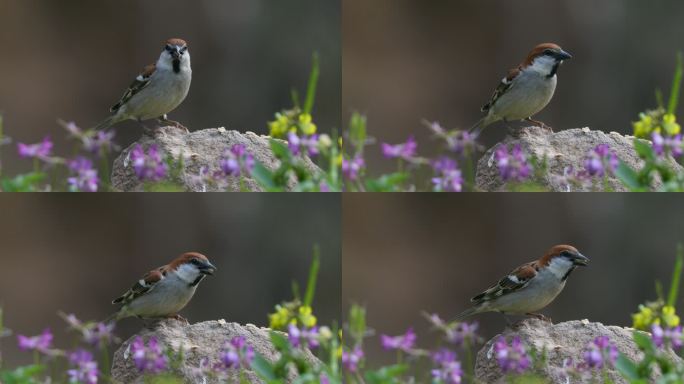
[(263, 368), (357, 131), (386, 375), (27, 182), (676, 84), (280, 150), (643, 341), (644, 149), (22, 375), (387, 183), (263, 176), (279, 341), (628, 177), (676, 274), (313, 275), (357, 322), (627, 368), (311, 87)]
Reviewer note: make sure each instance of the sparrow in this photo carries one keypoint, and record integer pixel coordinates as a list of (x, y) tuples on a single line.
[(531, 286), (158, 90), (164, 291), (527, 88)]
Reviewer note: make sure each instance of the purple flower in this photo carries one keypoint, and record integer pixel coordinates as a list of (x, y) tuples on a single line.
[(84, 177), (448, 369), (667, 337), (352, 359), (667, 145), (96, 334), (513, 166), (601, 352), (406, 151), (306, 144), (40, 150), (96, 142), (40, 343), (513, 358), (403, 342), (150, 358), (307, 337), (148, 166), (236, 354), (449, 177), (99, 143), (236, 160), (601, 161), (323, 379), (85, 368), (100, 335), (353, 167), (463, 333)]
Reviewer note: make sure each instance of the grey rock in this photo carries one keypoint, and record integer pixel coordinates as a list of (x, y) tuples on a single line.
[(563, 149), (198, 341), (199, 149), (561, 341)]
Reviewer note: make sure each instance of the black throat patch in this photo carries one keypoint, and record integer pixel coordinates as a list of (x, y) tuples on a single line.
[(565, 277), (552, 74), (176, 65), (197, 280)]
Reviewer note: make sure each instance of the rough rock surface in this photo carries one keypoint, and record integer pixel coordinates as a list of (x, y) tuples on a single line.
[(561, 149), (561, 341), (198, 149), (198, 341)]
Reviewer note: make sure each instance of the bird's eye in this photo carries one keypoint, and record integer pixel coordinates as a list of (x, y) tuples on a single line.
[(195, 261), (169, 48), (565, 253), (548, 52), (182, 50)]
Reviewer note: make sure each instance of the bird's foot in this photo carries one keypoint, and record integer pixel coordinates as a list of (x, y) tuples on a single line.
[(172, 123), (179, 318), (539, 316), (539, 124)]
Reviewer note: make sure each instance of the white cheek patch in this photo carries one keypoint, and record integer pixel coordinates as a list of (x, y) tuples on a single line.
[(543, 64), (559, 266), (187, 273)]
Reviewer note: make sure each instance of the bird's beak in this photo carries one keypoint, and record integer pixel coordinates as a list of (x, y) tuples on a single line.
[(207, 268), (580, 259), (175, 55), (562, 55)]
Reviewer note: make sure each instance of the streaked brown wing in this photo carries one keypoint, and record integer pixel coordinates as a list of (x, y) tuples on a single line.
[(141, 287), (515, 280), (504, 85), (138, 84)]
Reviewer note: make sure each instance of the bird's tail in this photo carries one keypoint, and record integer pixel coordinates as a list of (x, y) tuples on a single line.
[(113, 318), (477, 128), (106, 123), (465, 314)]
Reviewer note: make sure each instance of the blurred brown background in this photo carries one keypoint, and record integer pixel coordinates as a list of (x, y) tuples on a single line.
[(74, 59), (77, 253), (406, 60), (404, 254)]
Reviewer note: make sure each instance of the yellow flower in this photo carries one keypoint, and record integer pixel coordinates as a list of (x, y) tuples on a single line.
[(670, 124), (644, 126), (643, 319), (305, 316), (278, 320), (669, 317), (279, 126), (305, 124)]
